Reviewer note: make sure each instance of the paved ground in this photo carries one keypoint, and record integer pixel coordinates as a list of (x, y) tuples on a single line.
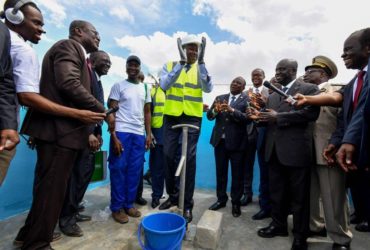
[(103, 233)]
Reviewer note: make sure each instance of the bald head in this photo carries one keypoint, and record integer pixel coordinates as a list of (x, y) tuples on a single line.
[(286, 71)]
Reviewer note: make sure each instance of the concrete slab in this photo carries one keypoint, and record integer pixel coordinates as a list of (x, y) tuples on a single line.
[(237, 233), (209, 230)]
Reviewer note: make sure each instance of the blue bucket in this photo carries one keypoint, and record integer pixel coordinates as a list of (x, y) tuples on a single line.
[(163, 231)]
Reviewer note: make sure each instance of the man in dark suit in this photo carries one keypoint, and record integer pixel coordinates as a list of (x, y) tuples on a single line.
[(65, 80), (229, 138), (288, 153), (8, 108), (84, 167), (258, 95), (354, 130)]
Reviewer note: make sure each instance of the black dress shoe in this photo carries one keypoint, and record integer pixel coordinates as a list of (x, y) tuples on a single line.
[(167, 204), (72, 230), (363, 227), (81, 208), (141, 201), (321, 233), (355, 219), (245, 200), (148, 177), (262, 214), (217, 205), (155, 203), (82, 217), (235, 210), (188, 215), (299, 244), (272, 231), (337, 246)]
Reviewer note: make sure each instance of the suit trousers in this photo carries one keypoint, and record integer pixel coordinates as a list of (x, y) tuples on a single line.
[(236, 158), (156, 165), (6, 157), (354, 184), (329, 184), (289, 188), (77, 185), (250, 156), (54, 166), (171, 146)]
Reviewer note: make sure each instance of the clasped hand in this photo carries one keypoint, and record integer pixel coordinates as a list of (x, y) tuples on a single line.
[(222, 107), (269, 115)]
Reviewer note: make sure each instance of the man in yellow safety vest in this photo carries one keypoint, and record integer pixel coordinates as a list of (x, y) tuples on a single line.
[(184, 83)]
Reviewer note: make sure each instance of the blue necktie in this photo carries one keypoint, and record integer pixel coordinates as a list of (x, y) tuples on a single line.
[(187, 67), (285, 89), (232, 101)]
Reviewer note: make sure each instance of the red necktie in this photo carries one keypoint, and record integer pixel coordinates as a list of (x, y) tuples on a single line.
[(360, 81)]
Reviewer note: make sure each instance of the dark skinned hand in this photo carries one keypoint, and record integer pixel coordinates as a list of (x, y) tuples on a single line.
[(345, 157), (269, 115)]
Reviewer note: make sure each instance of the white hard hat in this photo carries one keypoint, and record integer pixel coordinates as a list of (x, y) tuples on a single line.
[(190, 39)]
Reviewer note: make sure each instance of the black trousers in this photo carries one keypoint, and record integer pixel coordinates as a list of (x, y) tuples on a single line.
[(171, 138), (248, 168), (78, 183), (290, 188), (359, 184), (356, 187), (236, 158), (53, 169)]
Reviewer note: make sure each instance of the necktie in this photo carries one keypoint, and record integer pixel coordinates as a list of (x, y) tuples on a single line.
[(360, 81), (257, 91), (285, 89), (187, 67), (100, 92), (232, 101)]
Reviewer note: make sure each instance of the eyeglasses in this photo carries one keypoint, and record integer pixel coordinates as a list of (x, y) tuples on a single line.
[(309, 71), (94, 32)]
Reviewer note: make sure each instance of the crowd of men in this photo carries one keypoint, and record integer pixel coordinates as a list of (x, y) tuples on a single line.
[(308, 156)]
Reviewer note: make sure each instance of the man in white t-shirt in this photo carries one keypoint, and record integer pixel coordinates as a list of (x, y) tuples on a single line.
[(128, 140)]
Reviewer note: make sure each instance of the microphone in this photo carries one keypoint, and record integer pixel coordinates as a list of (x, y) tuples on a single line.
[(111, 110), (289, 98)]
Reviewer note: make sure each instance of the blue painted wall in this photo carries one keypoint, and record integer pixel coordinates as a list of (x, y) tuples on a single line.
[(16, 191)]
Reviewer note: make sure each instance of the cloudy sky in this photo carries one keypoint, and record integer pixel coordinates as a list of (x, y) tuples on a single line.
[(241, 34)]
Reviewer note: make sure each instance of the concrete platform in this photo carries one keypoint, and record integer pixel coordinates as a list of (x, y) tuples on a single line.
[(103, 233)]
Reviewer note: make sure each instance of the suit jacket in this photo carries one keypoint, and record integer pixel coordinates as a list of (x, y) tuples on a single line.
[(65, 79), (357, 132), (325, 124), (252, 127), (8, 105), (96, 128), (345, 116), (233, 125), (291, 135)]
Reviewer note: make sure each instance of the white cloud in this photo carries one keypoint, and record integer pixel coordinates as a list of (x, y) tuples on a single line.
[(56, 10), (122, 13)]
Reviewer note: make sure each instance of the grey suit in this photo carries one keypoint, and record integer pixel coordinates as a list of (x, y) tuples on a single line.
[(288, 153)]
